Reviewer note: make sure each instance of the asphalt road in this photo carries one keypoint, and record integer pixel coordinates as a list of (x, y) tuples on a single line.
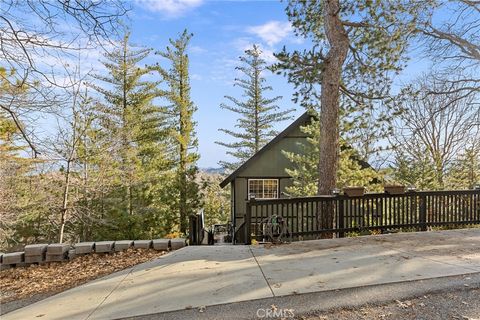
[(454, 297), (455, 304)]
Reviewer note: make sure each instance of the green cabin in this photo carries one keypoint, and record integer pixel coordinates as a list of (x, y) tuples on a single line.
[(263, 176)]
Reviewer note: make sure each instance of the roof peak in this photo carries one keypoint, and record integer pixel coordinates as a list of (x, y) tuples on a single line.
[(303, 118)]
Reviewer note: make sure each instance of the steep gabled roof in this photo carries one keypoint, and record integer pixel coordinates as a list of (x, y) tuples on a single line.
[(300, 121)]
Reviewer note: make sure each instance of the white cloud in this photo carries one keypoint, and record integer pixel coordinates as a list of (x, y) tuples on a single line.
[(197, 49), (247, 43), (271, 32), (170, 8), (224, 71), (195, 76), (268, 56), (243, 43)]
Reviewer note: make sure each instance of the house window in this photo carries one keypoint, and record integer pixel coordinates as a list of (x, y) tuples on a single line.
[(263, 188)]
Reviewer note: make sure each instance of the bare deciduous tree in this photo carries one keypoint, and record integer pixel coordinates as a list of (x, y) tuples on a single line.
[(451, 35), (437, 127), (68, 142), (36, 36)]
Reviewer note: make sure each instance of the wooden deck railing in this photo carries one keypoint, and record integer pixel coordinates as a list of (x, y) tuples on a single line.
[(372, 211)]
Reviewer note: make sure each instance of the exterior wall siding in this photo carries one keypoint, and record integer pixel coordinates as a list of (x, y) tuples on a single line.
[(271, 164)]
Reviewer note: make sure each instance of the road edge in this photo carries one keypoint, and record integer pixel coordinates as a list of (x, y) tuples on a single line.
[(311, 303)]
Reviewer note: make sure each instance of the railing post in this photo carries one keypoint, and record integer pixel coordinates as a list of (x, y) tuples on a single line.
[(341, 218), (199, 229), (193, 232), (423, 213), (248, 223)]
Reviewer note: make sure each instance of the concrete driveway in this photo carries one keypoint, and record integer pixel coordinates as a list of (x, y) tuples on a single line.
[(194, 277)]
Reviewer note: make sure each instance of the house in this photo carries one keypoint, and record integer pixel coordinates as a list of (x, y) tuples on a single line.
[(263, 176)]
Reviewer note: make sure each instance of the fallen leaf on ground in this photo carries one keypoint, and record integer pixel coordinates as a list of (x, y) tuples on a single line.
[(53, 277), (403, 305)]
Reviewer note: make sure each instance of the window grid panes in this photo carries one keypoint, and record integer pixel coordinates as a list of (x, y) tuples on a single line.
[(263, 188)]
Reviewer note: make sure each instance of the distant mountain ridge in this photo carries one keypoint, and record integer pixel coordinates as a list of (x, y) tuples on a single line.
[(213, 170)]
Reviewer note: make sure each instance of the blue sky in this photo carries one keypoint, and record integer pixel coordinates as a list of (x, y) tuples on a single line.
[(222, 31)]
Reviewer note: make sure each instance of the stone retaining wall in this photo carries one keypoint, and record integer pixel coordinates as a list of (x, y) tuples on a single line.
[(42, 253)]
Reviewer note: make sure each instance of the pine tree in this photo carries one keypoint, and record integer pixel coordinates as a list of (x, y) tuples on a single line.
[(8, 177), (15, 170), (132, 130), (433, 130), (181, 112), (465, 171), (88, 154), (216, 200), (356, 45), (352, 169), (418, 172), (26, 195), (258, 114)]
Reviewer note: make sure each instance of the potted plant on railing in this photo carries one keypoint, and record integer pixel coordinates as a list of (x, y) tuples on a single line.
[(394, 189), (354, 191)]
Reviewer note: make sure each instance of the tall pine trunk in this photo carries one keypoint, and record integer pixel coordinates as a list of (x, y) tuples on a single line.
[(183, 133), (185, 138), (127, 170), (86, 227), (330, 105), (183, 190), (257, 109)]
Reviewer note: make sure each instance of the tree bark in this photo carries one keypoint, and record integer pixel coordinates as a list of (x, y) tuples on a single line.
[(257, 106), (86, 224), (66, 190), (329, 112), (126, 128), (185, 137)]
